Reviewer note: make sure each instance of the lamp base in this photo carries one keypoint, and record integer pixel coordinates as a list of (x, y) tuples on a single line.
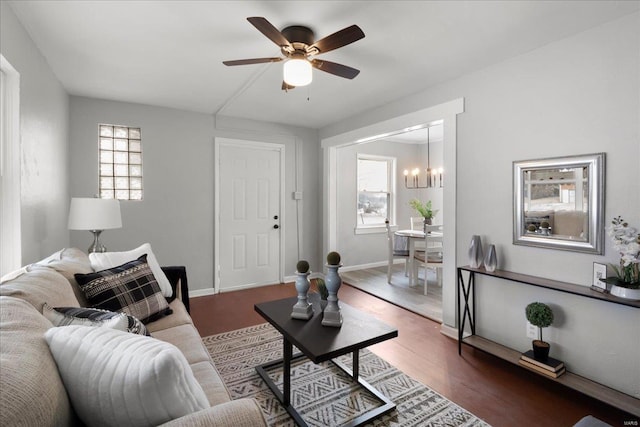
[(96, 246)]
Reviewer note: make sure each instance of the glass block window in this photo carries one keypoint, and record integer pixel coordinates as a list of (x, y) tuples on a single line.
[(120, 163)]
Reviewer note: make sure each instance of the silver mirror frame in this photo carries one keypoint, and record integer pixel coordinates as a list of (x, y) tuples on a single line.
[(595, 164)]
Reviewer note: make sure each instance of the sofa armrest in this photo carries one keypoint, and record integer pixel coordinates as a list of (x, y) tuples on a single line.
[(237, 413), (177, 276)]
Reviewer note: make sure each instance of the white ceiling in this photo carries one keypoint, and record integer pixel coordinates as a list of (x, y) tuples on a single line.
[(170, 53)]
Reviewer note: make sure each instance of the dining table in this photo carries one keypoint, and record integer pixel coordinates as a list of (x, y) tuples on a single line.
[(409, 243)]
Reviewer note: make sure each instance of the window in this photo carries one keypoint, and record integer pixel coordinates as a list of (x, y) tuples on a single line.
[(120, 163), (375, 190)]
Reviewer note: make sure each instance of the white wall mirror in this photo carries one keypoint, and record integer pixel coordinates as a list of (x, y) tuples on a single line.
[(559, 203)]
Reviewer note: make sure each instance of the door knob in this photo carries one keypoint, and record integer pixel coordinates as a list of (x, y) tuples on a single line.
[(276, 226), (275, 217)]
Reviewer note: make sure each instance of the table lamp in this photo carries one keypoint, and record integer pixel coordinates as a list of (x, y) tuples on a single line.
[(95, 215)]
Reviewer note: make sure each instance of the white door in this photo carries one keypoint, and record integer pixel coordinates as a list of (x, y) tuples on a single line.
[(249, 198)]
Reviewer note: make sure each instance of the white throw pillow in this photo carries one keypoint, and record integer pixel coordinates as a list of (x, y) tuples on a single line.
[(105, 260), (114, 378)]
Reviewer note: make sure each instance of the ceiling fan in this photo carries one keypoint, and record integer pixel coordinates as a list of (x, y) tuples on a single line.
[(297, 44)]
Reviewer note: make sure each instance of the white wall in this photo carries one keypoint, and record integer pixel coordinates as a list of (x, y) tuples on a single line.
[(575, 96), (44, 110), (176, 215)]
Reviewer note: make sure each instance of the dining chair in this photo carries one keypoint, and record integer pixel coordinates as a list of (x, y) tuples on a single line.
[(398, 247), (430, 257), (417, 224)]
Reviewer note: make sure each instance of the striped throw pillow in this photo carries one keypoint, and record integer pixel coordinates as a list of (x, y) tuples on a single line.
[(65, 316), (130, 288)]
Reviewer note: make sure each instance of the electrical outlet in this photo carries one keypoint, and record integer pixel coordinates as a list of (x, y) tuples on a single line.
[(532, 331)]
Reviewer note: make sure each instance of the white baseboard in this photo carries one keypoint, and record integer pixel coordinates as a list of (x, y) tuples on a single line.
[(210, 291), (449, 331), (369, 265), (201, 292)]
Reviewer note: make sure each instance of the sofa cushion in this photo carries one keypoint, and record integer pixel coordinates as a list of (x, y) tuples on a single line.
[(66, 262), (31, 390), (237, 413), (129, 288), (65, 316), (105, 260), (180, 316), (39, 286), (69, 262), (114, 378), (187, 339), (211, 383)]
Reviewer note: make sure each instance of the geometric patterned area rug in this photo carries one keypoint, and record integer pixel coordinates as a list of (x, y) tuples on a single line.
[(323, 394)]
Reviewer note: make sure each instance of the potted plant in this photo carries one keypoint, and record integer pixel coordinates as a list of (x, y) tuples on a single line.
[(626, 240), (540, 315), (531, 228), (544, 228), (424, 209)]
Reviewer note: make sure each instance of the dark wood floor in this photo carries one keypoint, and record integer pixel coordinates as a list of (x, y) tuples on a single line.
[(500, 393)]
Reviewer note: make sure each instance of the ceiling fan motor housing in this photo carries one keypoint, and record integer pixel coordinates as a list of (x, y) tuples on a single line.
[(299, 34)]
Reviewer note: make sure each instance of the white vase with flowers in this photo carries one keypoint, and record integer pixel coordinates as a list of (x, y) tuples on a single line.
[(626, 240)]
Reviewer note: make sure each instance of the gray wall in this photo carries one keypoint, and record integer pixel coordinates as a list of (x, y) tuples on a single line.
[(44, 112), (578, 95), (176, 215)]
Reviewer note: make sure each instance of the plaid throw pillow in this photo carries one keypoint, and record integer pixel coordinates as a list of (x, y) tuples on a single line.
[(65, 316), (129, 288)]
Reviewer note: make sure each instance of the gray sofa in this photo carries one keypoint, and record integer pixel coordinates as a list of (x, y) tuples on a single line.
[(32, 392)]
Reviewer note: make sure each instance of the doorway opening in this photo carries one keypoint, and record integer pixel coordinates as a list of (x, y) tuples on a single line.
[(446, 114), (386, 193)]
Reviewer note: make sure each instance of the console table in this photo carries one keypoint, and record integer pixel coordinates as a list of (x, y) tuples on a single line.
[(466, 292)]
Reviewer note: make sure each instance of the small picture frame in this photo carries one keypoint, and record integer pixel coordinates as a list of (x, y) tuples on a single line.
[(599, 274)]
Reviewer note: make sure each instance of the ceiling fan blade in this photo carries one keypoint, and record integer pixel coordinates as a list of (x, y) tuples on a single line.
[(251, 61), (286, 86), (335, 68), (266, 28), (338, 39)]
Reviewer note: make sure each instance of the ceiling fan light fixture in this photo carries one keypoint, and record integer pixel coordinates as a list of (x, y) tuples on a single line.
[(297, 72)]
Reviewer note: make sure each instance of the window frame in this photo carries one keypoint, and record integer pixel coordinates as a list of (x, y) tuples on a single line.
[(391, 191), (113, 152), (10, 167)]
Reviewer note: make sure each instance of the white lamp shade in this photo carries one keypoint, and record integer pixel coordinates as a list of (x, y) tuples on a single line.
[(297, 72), (94, 214)]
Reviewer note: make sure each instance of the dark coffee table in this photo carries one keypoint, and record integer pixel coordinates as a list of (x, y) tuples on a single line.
[(323, 343)]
